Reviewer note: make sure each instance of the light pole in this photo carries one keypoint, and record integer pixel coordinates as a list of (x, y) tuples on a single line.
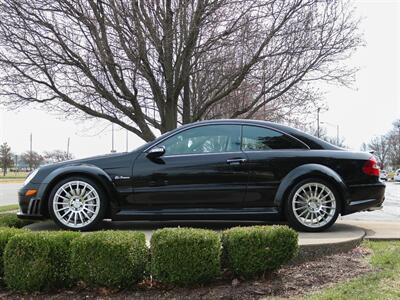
[(337, 130)]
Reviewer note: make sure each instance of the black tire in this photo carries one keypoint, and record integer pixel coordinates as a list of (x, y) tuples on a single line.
[(102, 202), (289, 210)]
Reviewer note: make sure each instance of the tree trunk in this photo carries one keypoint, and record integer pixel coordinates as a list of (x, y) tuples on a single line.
[(170, 120), (186, 103)]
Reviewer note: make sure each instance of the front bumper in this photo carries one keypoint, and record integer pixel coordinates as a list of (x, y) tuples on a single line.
[(29, 206), (365, 197)]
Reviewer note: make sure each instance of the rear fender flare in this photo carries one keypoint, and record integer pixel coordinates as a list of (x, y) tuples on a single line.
[(310, 171)]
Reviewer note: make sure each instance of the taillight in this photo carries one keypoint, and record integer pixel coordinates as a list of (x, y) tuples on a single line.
[(370, 167)]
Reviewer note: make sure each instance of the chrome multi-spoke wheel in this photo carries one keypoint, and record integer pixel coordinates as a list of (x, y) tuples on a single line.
[(312, 206), (76, 204)]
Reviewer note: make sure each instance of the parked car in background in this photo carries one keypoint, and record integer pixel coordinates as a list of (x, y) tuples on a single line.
[(383, 175), (397, 175), (210, 170)]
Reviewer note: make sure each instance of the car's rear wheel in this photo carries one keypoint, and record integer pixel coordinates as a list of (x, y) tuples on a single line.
[(313, 205), (77, 203)]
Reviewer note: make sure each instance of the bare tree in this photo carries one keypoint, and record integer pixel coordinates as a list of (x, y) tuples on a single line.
[(364, 147), (381, 147), (57, 156), (334, 141), (6, 160), (32, 159), (394, 144), (148, 65)]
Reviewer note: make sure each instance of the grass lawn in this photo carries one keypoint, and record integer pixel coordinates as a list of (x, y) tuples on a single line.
[(14, 175), (10, 207), (382, 283)]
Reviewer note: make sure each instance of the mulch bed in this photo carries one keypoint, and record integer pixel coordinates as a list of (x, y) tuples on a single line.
[(291, 280)]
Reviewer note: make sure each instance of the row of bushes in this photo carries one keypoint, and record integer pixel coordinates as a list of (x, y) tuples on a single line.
[(118, 259)]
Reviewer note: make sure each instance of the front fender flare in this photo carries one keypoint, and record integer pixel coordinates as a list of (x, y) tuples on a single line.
[(90, 171), (310, 171)]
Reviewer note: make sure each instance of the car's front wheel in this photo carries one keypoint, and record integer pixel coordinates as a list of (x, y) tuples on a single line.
[(77, 203), (312, 205)]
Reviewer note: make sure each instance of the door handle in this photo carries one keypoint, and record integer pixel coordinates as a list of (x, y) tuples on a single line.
[(236, 161)]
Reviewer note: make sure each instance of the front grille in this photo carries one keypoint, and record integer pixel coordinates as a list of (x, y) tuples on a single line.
[(34, 207)]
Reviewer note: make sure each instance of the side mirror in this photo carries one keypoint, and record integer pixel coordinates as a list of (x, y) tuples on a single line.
[(156, 152)]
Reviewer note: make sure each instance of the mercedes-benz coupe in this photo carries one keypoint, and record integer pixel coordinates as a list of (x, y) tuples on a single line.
[(210, 170)]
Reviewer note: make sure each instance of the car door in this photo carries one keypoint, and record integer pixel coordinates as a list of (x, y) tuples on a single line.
[(202, 167), (271, 154)]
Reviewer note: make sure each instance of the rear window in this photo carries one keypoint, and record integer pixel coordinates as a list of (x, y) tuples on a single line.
[(256, 138)]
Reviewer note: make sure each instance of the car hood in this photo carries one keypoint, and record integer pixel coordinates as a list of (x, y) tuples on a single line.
[(101, 161), (108, 161)]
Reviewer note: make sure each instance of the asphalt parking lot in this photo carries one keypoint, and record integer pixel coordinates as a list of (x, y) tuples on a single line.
[(390, 211), (8, 193)]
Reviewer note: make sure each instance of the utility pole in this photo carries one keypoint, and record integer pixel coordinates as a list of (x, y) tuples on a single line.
[(68, 148), (30, 153), (318, 110), (337, 130), (30, 143), (112, 138)]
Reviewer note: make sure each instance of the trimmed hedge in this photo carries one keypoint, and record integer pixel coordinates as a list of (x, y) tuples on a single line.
[(11, 220), (35, 261), (185, 256), (38, 261), (5, 235), (250, 251), (109, 258)]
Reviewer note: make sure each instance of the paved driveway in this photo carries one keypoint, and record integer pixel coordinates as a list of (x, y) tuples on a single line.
[(390, 211), (8, 193)]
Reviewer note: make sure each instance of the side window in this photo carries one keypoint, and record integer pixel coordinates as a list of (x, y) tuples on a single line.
[(260, 139), (204, 139)]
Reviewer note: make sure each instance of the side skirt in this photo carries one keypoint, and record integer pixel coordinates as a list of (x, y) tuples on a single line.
[(250, 214)]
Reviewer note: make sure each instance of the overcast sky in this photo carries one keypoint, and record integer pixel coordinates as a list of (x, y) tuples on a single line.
[(361, 113)]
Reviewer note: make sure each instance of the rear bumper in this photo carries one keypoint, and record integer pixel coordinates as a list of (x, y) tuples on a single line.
[(365, 197)]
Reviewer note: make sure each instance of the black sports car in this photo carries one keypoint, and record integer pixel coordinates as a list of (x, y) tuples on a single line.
[(224, 169)]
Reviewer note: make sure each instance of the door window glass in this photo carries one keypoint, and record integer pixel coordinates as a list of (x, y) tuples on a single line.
[(260, 139), (204, 139)]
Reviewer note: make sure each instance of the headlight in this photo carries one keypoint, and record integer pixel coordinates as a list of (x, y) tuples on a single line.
[(30, 176)]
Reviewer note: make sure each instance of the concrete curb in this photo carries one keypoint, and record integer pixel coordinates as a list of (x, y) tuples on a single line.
[(311, 252), (340, 238)]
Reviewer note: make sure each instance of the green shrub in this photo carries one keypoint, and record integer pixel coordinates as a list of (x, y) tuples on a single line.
[(38, 261), (250, 251), (109, 258), (11, 220), (185, 256), (5, 235)]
